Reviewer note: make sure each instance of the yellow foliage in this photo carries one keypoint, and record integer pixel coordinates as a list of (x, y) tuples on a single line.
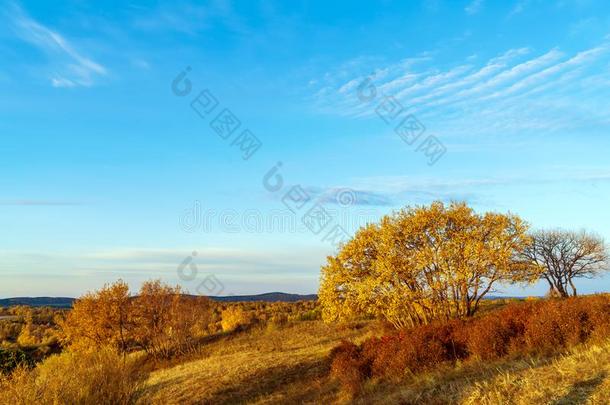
[(234, 317), (99, 318), (27, 336), (424, 263), (94, 377), (160, 320)]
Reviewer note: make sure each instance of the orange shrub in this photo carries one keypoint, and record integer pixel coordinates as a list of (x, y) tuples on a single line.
[(415, 350), (499, 333), (599, 308), (561, 324), (349, 366)]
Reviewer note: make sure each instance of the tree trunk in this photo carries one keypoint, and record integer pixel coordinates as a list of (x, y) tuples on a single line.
[(559, 287), (573, 287)]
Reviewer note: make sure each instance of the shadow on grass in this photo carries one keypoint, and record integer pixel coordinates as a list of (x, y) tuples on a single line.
[(449, 385), (149, 363), (581, 391), (295, 384)]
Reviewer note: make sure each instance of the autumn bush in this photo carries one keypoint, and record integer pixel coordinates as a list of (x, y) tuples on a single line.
[(414, 350), (498, 333), (424, 264), (166, 322), (161, 320), (350, 367), (93, 377), (235, 317), (540, 327), (564, 323)]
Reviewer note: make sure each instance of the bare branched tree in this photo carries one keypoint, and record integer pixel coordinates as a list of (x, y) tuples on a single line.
[(566, 255)]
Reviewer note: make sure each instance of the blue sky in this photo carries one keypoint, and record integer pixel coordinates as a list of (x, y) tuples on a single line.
[(106, 173)]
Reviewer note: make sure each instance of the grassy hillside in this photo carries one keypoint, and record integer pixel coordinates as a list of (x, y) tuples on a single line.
[(278, 365)]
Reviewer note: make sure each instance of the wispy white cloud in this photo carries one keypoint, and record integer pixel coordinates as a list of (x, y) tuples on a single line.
[(502, 78), (518, 8), (162, 262), (517, 90), (68, 67), (347, 196), (543, 76), (474, 7), (398, 184)]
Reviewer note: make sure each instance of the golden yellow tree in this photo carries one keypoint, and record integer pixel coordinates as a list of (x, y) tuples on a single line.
[(166, 320), (152, 315), (424, 263), (100, 318)]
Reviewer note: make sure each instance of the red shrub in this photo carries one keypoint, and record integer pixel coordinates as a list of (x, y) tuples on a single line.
[(414, 350), (559, 324), (598, 307), (349, 366), (499, 333), (545, 326)]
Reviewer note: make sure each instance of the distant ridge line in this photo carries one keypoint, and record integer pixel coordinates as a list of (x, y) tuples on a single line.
[(267, 297), (66, 302), (57, 302)]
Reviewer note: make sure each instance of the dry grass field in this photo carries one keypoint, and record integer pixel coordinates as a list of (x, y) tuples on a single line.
[(281, 365)]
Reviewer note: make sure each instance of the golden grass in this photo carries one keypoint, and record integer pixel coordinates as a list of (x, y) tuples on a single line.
[(96, 377), (579, 377), (285, 365)]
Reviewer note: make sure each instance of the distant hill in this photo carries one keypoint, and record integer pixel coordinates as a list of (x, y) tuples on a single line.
[(56, 302), (64, 302), (267, 297)]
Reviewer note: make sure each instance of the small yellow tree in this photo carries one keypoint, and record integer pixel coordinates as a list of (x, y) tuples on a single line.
[(424, 263), (167, 321), (100, 318), (234, 317), (152, 313)]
